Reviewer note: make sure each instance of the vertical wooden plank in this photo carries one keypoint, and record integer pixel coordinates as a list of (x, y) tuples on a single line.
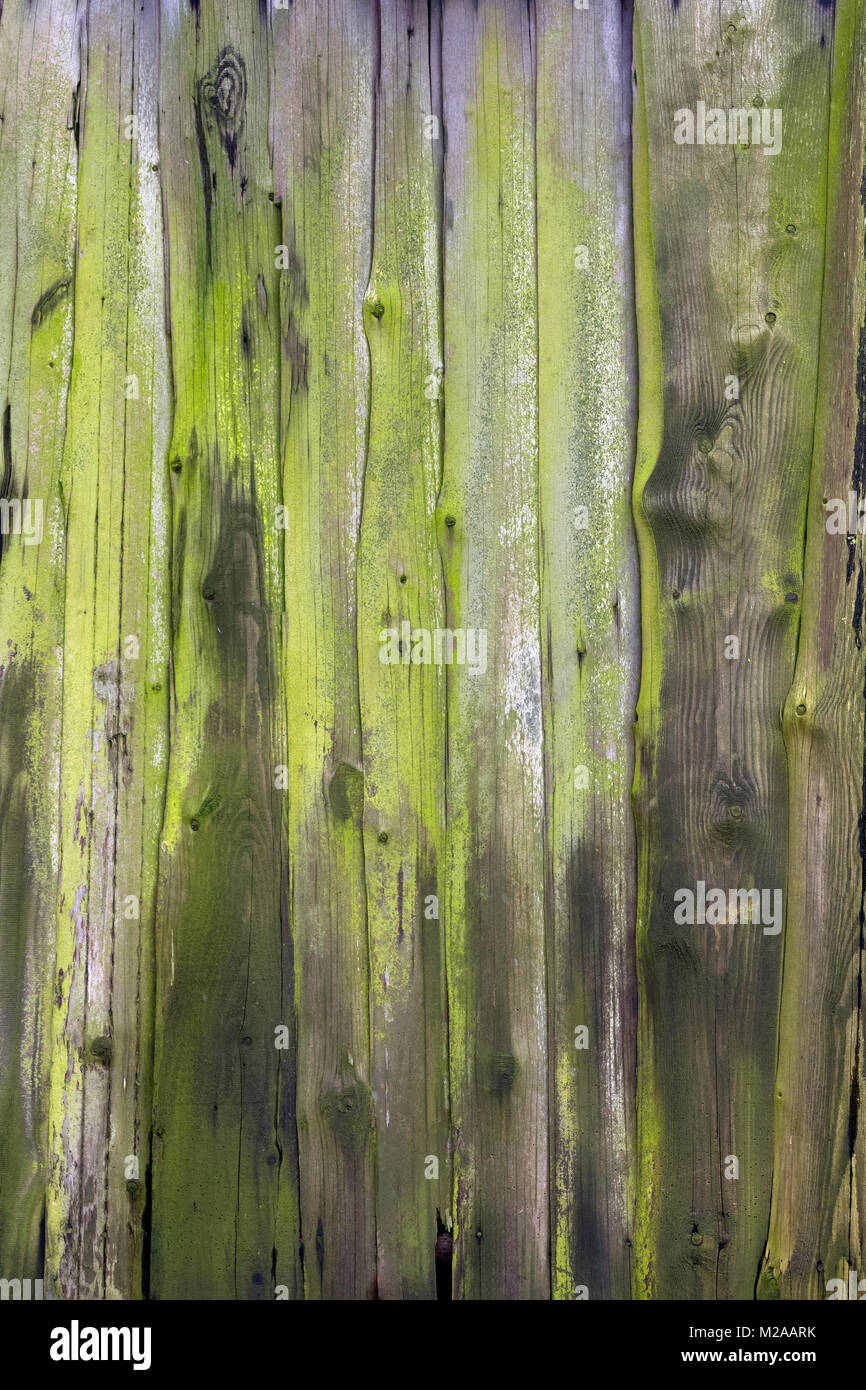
[(111, 757), (141, 758), (403, 699), (325, 72), (39, 74), (590, 637), (225, 1221), (728, 309), (816, 1231), (495, 777)]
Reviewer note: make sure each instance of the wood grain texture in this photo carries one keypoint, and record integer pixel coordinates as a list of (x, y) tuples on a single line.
[(336, 964), (403, 703), (817, 1230), (497, 997), (323, 165), (39, 54), (225, 1208), (590, 637), (725, 291), (112, 753)]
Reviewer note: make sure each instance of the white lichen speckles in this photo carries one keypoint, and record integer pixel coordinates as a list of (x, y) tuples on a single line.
[(522, 704)]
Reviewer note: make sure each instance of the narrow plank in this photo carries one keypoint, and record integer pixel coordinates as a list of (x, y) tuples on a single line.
[(225, 1211), (323, 162), (39, 74), (590, 631), (141, 737), (403, 703), (816, 1229), (723, 291), (495, 777), (109, 796)]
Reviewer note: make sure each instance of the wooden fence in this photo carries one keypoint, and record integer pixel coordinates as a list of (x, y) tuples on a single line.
[(395, 398)]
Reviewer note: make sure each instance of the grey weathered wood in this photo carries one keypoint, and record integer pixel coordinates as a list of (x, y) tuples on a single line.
[(589, 627), (323, 162), (495, 774), (723, 290), (816, 1229)]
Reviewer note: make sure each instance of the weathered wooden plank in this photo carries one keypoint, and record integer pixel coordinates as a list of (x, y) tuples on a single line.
[(139, 759), (729, 256), (402, 688), (316, 321), (225, 1221), (589, 626), (323, 159), (111, 779), (816, 1229), (495, 776), (39, 73)]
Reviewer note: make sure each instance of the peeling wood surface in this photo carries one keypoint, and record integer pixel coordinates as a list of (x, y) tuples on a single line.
[(329, 335)]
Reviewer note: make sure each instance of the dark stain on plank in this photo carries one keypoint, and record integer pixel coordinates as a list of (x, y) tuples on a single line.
[(48, 302), (7, 450), (6, 479), (320, 1250), (443, 1254), (204, 165), (296, 348), (503, 1073), (293, 286), (346, 793), (223, 93), (349, 1114)]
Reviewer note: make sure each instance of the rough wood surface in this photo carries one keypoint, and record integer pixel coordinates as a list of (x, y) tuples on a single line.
[(728, 292), (590, 632), (403, 705), (225, 1212), (338, 961), (497, 994), (818, 1215), (323, 159), (39, 54)]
